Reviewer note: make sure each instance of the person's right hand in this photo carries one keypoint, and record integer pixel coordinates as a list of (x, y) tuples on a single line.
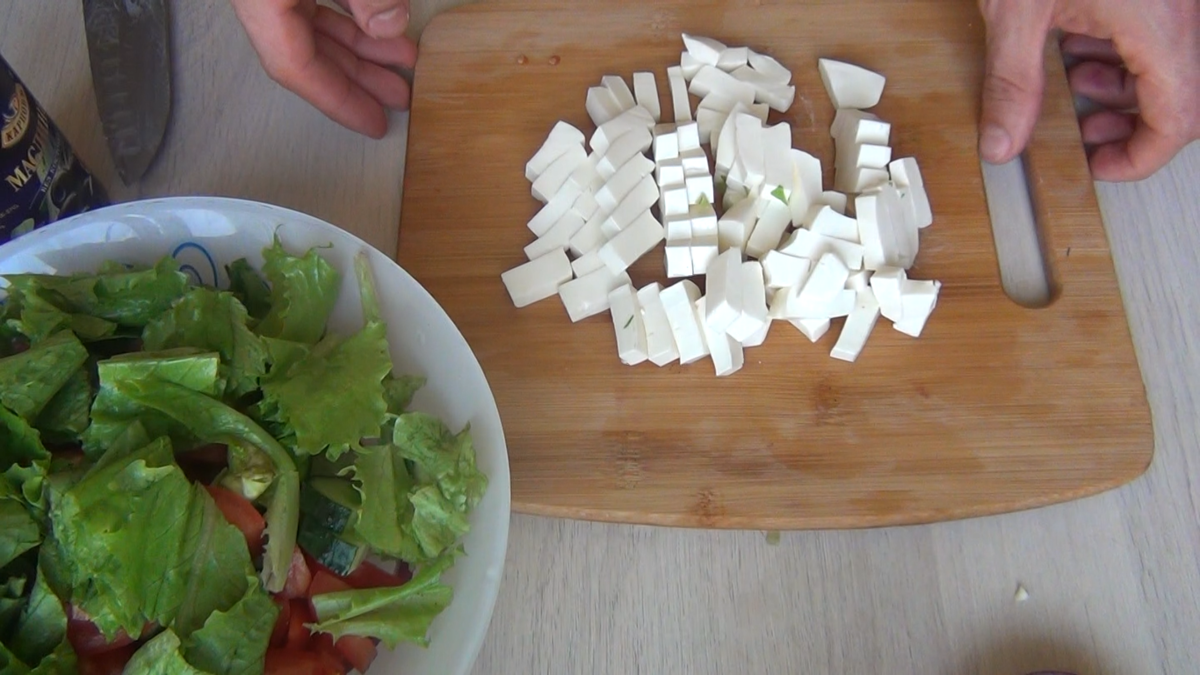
[(1140, 61)]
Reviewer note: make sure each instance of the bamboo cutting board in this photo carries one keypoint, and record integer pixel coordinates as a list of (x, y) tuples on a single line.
[(995, 408)]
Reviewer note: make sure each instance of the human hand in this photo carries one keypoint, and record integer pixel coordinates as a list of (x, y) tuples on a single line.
[(1140, 61), (337, 63)]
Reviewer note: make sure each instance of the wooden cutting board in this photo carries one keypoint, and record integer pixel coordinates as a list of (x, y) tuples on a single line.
[(995, 408)]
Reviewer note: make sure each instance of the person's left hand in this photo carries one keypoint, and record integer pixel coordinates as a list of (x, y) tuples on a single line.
[(341, 65)]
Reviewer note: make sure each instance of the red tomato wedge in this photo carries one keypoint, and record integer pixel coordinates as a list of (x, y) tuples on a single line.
[(111, 662), (299, 614), (240, 513), (86, 639), (359, 652), (327, 582), (369, 576), (289, 661), (279, 636), (299, 577)]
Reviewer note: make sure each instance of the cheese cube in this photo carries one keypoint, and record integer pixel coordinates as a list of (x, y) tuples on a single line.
[(689, 138), (778, 168), (537, 279), (627, 146), (586, 263), (769, 67), (813, 329), (732, 58), (705, 50), (602, 105), (919, 298), (704, 220), (859, 280), (679, 94), (631, 243), (628, 324), (709, 122), (806, 184), (694, 162), (726, 149), (666, 146), (670, 174), (700, 186), (781, 270), (639, 199), (585, 206), (717, 103), (591, 236), (735, 227), (866, 207), (623, 182), (856, 126), (827, 280), (561, 137), (916, 206), (678, 230), (679, 302), (825, 221), (857, 328), (868, 155), (772, 223), (712, 80), (750, 156), (757, 339), (841, 305), (645, 90), (588, 295), (806, 244), (886, 284), (834, 200), (690, 65), (634, 118), (727, 355), (777, 98), (754, 303), (678, 260), (859, 180), (899, 234), (673, 201), (585, 178), (723, 283), (660, 341), (555, 176), (850, 86), (906, 173), (558, 236), (548, 215), (704, 252), (620, 90)]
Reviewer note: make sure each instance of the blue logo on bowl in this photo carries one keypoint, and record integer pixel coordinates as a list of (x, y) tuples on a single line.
[(196, 262)]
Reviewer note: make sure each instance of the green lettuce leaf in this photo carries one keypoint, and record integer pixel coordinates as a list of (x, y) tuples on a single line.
[(378, 472), (161, 656), (440, 457), (61, 662), (20, 444), (436, 523), (29, 380), (35, 317), (214, 422), (10, 664), (249, 287), (303, 293), (67, 415), (19, 532), (213, 321), (393, 615), (250, 471), (399, 391), (113, 413), (12, 604), (42, 627), (234, 642), (104, 525)]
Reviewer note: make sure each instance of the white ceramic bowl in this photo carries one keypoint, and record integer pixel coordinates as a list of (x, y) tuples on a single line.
[(205, 234)]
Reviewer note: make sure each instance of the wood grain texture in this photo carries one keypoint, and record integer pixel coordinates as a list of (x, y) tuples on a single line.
[(995, 408)]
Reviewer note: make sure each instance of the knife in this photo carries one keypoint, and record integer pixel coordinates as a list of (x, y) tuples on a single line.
[(129, 50)]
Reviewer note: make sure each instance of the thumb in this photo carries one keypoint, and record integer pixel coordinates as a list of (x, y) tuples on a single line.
[(380, 19), (1014, 75)]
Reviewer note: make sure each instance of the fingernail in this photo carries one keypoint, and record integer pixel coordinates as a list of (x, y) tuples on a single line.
[(388, 24), (994, 143)]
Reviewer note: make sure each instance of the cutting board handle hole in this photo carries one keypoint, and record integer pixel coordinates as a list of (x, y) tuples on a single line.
[(1025, 275)]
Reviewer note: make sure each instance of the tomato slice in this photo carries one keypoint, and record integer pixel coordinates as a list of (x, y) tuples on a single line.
[(111, 662), (279, 636), (370, 576), (299, 577), (327, 582), (299, 614), (86, 639), (240, 513), (289, 661), (359, 652)]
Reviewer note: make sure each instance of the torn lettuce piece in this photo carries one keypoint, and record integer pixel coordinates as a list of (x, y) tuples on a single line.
[(436, 523), (19, 532), (214, 422), (213, 321), (35, 317), (441, 457), (392, 615), (249, 286), (29, 380), (20, 444), (399, 390), (234, 642), (42, 627), (303, 293), (382, 482), (250, 471), (161, 656), (67, 415)]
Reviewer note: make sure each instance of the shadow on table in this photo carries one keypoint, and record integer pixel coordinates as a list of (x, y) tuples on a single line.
[(1027, 654)]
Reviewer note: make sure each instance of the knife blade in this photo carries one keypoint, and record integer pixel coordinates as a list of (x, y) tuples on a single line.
[(129, 51)]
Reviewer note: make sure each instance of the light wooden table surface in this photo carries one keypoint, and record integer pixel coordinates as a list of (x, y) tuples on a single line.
[(1113, 581)]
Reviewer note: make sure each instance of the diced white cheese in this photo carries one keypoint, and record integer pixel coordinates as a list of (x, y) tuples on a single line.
[(858, 327), (778, 168), (813, 329), (841, 305), (869, 156), (591, 236), (717, 103), (781, 270), (558, 236), (537, 279), (586, 263), (859, 280), (758, 338), (723, 283), (555, 176), (627, 146), (919, 299), (906, 173), (727, 355), (886, 283), (558, 205), (870, 233), (704, 220), (585, 205), (678, 258), (670, 174), (754, 303), (834, 200), (808, 244), (769, 67), (678, 230), (631, 243), (766, 89), (734, 228), (900, 236), (749, 135), (806, 184), (639, 200), (726, 150), (673, 201), (679, 94), (859, 180), (694, 161), (679, 302), (620, 90), (690, 65), (713, 80), (621, 183), (704, 252), (585, 178), (732, 58), (734, 193), (636, 117), (709, 122), (588, 295), (856, 126), (689, 137), (700, 185), (602, 105), (824, 220), (645, 90), (660, 341), (827, 280), (628, 324), (773, 219), (562, 136), (666, 145), (850, 86), (916, 206), (705, 49)]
